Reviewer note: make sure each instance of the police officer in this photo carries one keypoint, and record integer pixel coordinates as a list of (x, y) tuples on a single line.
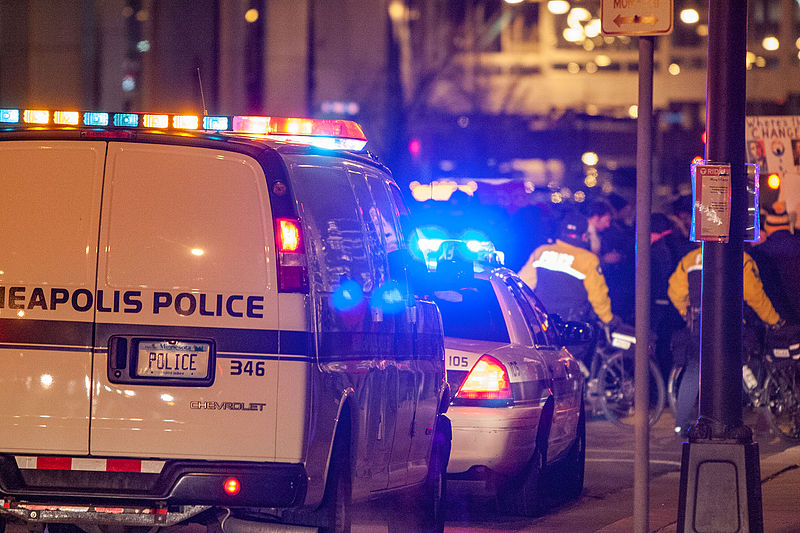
[(567, 277), (684, 293), (778, 259)]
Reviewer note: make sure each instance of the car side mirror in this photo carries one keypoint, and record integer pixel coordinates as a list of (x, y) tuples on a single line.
[(574, 332)]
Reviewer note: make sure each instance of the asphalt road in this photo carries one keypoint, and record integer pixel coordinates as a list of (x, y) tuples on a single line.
[(607, 498)]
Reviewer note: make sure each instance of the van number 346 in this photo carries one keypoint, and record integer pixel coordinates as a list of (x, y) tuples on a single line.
[(250, 368)]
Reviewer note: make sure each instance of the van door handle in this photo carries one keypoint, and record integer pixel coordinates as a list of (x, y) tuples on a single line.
[(118, 353)]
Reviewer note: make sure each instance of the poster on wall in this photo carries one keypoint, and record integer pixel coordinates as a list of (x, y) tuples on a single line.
[(773, 143)]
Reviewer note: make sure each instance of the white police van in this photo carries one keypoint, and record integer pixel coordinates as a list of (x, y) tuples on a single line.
[(207, 317)]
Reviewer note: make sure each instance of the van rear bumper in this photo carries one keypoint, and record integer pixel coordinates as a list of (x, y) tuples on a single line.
[(178, 483)]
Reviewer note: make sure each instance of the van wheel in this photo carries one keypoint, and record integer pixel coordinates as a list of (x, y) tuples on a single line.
[(434, 491), (337, 504), (423, 510)]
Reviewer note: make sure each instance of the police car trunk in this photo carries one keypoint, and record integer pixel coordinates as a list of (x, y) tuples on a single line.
[(154, 331)]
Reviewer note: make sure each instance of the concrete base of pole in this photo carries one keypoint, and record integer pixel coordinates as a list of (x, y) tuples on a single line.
[(720, 488)]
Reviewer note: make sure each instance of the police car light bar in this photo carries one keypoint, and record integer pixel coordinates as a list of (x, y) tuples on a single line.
[(332, 134)]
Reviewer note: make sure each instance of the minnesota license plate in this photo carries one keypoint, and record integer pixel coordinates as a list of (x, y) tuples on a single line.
[(173, 359)]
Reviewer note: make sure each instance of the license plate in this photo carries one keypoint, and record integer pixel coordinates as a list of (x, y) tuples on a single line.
[(173, 359)]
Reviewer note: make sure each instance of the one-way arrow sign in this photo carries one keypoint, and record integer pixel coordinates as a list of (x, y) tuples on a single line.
[(636, 17)]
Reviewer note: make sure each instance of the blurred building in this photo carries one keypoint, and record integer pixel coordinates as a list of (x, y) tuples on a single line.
[(538, 79), (528, 93)]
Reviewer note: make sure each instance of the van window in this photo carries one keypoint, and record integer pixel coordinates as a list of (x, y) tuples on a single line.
[(50, 213), (372, 234), (387, 213), (328, 207), (164, 231)]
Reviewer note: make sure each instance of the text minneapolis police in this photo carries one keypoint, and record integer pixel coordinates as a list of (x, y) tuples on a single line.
[(83, 300)]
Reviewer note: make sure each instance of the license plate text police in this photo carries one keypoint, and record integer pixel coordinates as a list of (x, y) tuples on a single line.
[(173, 359)]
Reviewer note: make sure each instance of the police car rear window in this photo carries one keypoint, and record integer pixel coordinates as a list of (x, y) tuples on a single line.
[(472, 313)]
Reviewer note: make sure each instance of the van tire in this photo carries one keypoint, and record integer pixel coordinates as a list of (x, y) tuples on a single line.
[(423, 510), (337, 503), (434, 491)]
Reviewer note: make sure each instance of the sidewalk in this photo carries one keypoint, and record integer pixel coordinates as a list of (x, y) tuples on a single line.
[(780, 494)]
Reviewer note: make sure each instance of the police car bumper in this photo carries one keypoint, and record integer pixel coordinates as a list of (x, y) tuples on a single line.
[(500, 439), (162, 498)]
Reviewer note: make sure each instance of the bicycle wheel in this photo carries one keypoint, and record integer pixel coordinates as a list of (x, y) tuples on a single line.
[(782, 402), (617, 380), (673, 385)]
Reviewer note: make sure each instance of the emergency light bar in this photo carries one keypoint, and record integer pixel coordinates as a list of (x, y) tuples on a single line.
[(332, 134)]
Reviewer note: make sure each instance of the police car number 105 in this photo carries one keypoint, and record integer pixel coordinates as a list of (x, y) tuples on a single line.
[(173, 359)]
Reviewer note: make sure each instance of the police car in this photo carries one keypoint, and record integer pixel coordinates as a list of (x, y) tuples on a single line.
[(202, 313), (517, 411)]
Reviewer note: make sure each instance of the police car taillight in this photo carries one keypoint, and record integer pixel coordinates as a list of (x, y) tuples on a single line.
[(488, 380), (324, 133), (292, 267)]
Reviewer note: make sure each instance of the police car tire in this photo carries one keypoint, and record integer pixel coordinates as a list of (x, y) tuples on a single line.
[(522, 495), (567, 474)]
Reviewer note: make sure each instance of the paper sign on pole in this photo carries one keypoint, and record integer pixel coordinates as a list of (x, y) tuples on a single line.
[(711, 188)]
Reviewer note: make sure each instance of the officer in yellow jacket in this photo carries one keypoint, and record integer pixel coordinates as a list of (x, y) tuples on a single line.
[(567, 277), (684, 289), (684, 293)]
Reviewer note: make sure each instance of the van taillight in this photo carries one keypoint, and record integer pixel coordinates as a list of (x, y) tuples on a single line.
[(488, 380), (232, 486), (292, 269)]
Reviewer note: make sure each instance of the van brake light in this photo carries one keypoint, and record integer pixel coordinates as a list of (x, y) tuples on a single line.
[(292, 268), (289, 235), (488, 380)]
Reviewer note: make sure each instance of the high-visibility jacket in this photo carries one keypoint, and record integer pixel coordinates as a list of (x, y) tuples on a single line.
[(684, 287), (567, 279)]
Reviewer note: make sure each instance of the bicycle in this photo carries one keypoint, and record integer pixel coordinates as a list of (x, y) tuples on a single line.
[(770, 383), (610, 388)]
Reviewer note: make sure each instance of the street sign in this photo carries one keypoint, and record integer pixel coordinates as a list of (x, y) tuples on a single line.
[(636, 17)]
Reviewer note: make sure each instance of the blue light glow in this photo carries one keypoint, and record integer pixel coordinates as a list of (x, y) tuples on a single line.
[(388, 298), (424, 241), (215, 123), (348, 296), (126, 119), (95, 119), (9, 115)]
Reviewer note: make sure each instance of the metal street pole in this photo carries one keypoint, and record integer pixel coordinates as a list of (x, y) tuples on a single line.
[(720, 487), (644, 164)]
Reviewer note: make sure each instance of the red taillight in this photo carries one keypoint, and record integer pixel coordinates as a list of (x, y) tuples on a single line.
[(288, 235), (488, 380), (232, 486), (292, 271)]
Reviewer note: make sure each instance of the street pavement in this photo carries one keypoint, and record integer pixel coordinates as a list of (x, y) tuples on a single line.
[(607, 502), (613, 511), (780, 494)]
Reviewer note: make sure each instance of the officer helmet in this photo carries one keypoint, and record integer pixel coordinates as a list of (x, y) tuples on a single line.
[(573, 227)]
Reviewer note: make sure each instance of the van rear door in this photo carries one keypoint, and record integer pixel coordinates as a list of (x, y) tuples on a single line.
[(49, 226), (187, 307)]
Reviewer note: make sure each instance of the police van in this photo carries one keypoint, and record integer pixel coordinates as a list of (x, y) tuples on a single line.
[(208, 318)]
